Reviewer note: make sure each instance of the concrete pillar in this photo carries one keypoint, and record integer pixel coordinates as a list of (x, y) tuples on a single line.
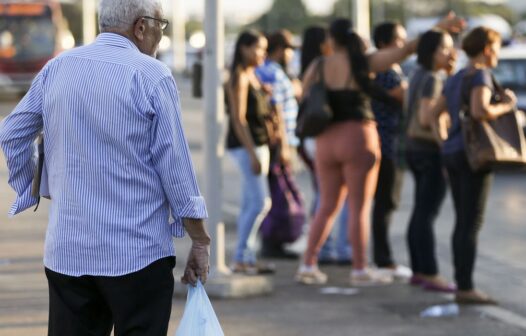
[(221, 283), (178, 22), (89, 22), (214, 116), (362, 18)]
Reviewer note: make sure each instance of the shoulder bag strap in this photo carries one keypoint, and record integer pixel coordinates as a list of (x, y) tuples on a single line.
[(320, 70)]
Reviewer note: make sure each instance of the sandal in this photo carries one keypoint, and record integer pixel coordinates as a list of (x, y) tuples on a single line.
[(253, 269), (474, 297), (264, 268), (437, 284)]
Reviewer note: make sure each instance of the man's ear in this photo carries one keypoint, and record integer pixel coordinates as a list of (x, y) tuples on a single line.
[(138, 30)]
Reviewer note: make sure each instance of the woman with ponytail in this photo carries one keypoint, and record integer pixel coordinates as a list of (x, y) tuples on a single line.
[(348, 151)]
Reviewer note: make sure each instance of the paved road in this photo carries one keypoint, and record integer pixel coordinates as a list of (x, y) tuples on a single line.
[(292, 309)]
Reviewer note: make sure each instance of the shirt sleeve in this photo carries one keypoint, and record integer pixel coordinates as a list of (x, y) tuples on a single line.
[(17, 135), (279, 89), (389, 80), (171, 155), (482, 78)]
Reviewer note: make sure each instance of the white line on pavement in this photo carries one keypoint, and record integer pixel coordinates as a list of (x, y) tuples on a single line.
[(504, 315)]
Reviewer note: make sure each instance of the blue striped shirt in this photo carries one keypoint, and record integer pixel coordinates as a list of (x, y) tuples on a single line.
[(282, 94), (117, 160)]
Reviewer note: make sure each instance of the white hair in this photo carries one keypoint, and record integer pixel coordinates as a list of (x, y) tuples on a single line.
[(120, 14)]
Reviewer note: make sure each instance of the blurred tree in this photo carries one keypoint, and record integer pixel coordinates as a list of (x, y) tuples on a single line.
[(289, 14), (342, 8), (193, 25), (504, 11), (73, 15)]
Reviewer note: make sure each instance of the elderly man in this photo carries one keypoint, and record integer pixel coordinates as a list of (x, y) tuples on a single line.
[(119, 169)]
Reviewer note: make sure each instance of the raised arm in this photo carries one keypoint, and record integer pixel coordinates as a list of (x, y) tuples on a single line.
[(382, 60)]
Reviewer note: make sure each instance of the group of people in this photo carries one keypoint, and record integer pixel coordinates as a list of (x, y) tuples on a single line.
[(379, 118), (122, 184)]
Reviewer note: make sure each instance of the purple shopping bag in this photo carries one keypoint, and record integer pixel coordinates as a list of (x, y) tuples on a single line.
[(286, 218)]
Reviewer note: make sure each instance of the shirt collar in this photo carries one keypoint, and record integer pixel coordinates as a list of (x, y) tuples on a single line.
[(116, 40), (268, 61)]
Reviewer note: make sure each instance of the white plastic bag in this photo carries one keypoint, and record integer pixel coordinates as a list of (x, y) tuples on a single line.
[(199, 318)]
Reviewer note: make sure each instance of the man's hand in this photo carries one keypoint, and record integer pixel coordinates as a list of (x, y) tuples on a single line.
[(197, 265)]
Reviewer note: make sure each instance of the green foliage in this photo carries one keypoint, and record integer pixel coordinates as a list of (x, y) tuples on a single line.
[(342, 8), (192, 26), (290, 14), (504, 11), (73, 16), (293, 15)]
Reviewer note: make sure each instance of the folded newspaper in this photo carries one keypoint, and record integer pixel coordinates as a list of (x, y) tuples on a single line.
[(40, 186)]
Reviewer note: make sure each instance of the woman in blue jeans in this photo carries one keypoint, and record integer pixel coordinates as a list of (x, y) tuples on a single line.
[(247, 143), (435, 53)]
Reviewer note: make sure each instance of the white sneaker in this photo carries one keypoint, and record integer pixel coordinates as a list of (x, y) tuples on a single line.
[(370, 277), (310, 276), (399, 273)]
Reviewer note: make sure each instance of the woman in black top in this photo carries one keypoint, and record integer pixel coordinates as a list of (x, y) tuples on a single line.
[(336, 248), (247, 143)]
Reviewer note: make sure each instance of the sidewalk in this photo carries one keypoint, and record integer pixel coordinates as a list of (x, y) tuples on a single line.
[(298, 310)]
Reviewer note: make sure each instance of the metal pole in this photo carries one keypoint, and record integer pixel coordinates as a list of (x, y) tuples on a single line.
[(178, 35), (361, 18), (89, 29), (213, 119)]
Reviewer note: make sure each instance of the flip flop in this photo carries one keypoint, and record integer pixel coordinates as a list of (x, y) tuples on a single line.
[(475, 300)]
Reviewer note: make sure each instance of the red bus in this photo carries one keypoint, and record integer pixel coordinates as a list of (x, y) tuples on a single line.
[(30, 35)]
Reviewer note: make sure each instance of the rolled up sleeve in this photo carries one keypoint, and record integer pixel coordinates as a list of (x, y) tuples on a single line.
[(171, 156), (17, 135)]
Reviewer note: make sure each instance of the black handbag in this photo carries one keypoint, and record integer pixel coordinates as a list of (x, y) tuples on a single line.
[(315, 114)]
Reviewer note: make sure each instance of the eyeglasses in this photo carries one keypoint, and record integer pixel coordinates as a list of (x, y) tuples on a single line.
[(163, 23)]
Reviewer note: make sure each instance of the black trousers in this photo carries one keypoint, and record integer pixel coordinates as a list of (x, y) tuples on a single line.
[(470, 193), (386, 200), (430, 191), (134, 304)]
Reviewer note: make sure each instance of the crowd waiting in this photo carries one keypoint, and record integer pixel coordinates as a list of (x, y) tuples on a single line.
[(380, 121), (115, 163)]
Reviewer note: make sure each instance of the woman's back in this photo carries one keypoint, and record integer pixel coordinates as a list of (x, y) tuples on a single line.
[(337, 73), (344, 96)]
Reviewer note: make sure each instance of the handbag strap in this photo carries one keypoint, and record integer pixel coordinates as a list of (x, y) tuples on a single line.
[(320, 71)]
